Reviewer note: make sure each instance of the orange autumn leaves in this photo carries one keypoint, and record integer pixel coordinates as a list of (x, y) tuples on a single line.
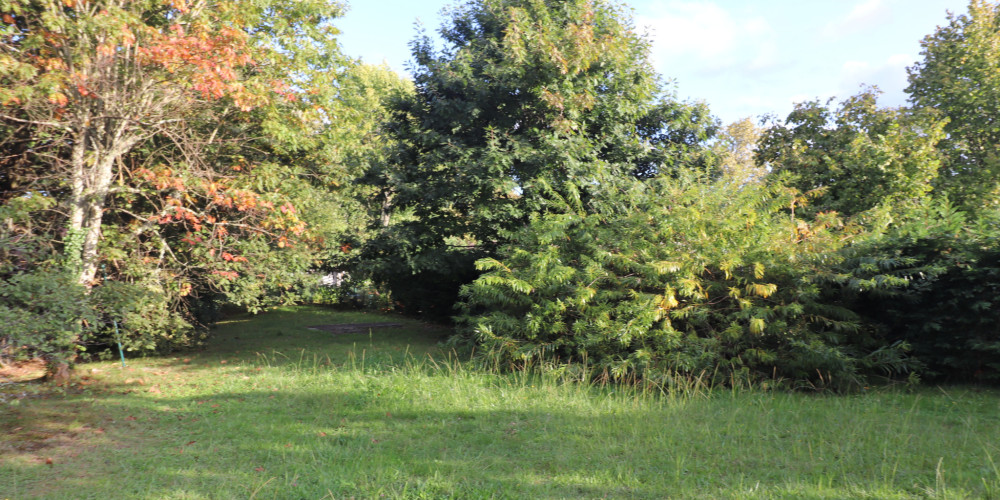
[(210, 60), (203, 54), (215, 214)]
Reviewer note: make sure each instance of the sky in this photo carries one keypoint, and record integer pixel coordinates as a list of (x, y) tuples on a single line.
[(745, 58)]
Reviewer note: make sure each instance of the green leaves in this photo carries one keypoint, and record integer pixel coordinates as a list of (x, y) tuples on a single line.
[(532, 108), (678, 283), (958, 78), (856, 157)]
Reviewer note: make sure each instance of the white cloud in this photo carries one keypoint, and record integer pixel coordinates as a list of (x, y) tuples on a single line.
[(707, 37), (864, 14), (889, 75)]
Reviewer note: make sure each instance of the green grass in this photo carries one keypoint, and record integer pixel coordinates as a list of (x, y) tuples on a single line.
[(273, 410)]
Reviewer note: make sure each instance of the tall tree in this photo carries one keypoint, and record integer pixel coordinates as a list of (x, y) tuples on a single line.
[(171, 141), (103, 76), (529, 99), (91, 81), (855, 157), (959, 77)]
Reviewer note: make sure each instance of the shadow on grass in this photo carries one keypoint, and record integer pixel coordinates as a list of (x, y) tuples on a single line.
[(366, 440), (305, 414), (279, 444)]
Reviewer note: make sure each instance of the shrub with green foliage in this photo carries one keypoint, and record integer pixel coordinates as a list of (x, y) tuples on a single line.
[(680, 277), (950, 312), (43, 314), (145, 321)]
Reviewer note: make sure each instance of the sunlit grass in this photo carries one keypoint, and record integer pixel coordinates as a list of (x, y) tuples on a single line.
[(273, 410)]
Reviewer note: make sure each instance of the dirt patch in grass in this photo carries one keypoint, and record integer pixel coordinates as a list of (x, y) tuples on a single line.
[(354, 327), (22, 371)]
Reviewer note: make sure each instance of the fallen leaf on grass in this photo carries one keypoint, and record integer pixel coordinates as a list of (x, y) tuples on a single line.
[(130, 417), (189, 443), (258, 469), (48, 461), (322, 434)]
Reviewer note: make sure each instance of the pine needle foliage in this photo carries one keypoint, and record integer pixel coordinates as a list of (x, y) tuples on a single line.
[(680, 276), (528, 99)]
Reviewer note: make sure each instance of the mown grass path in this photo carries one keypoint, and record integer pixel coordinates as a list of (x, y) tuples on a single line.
[(272, 409)]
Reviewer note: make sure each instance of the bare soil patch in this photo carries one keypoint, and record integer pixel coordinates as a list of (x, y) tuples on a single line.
[(354, 327), (22, 371)]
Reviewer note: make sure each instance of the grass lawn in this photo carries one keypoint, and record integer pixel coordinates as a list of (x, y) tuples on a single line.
[(272, 409)]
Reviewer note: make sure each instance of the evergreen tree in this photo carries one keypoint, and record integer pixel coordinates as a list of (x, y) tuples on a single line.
[(530, 99)]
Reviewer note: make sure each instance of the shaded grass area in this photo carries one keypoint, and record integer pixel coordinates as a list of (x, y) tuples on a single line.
[(274, 410)]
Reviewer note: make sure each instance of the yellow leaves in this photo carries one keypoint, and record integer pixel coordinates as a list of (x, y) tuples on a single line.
[(666, 266), (690, 287), (763, 290), (180, 5), (59, 99), (69, 3), (757, 326), (128, 38), (667, 301)]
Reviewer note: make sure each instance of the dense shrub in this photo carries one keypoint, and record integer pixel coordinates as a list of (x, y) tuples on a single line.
[(139, 317), (682, 276), (950, 312), (44, 314)]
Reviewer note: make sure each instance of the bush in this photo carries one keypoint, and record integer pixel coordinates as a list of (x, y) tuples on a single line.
[(45, 314), (679, 276), (950, 311), (145, 322)]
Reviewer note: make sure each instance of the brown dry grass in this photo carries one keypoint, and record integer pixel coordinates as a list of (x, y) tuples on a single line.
[(22, 371)]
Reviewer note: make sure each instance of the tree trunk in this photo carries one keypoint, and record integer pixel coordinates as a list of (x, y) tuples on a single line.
[(91, 181)]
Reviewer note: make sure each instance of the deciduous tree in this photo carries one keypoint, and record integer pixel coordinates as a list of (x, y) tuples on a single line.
[(958, 77), (855, 157)]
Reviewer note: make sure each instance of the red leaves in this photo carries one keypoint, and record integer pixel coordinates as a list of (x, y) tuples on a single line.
[(230, 275), (211, 215), (209, 61)]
